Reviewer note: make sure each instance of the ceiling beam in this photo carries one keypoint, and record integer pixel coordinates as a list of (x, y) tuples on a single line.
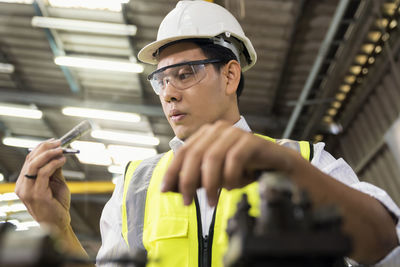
[(42, 99)]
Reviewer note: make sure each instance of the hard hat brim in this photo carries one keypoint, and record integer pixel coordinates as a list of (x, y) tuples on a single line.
[(146, 54)]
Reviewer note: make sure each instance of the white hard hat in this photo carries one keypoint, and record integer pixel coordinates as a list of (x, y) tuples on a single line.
[(201, 19)]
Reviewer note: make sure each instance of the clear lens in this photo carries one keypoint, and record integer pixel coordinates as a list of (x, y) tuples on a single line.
[(180, 77)]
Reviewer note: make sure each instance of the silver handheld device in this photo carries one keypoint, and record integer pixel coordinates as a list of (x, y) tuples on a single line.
[(76, 132)]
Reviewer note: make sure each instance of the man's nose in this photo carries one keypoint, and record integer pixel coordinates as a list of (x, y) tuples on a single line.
[(171, 93)]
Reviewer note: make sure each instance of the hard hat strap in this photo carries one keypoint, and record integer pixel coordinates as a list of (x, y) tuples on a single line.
[(220, 40)]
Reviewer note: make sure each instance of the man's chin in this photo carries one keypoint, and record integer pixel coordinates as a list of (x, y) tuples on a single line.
[(182, 132)]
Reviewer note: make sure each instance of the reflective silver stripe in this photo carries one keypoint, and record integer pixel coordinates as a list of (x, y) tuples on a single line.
[(136, 200), (306, 149), (289, 143)]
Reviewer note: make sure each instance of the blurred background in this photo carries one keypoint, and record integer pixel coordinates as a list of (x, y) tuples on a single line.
[(327, 70)]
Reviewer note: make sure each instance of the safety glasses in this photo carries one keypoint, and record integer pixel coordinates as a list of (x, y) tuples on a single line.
[(181, 76)]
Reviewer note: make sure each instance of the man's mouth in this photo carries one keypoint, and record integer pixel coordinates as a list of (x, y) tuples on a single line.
[(177, 115)]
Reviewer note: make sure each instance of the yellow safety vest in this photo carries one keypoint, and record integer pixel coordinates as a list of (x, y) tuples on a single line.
[(170, 232)]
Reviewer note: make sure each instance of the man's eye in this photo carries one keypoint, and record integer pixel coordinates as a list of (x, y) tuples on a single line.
[(185, 75)]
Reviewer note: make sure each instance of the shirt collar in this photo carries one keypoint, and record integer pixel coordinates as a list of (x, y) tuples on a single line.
[(176, 143)]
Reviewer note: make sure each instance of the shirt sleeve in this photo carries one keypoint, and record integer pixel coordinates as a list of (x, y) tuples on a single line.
[(112, 243), (341, 171)]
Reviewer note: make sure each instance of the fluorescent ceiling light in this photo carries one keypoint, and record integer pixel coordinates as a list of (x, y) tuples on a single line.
[(17, 1), (20, 111), (84, 26), (121, 155), (23, 226), (8, 196), (111, 5), (101, 114), (92, 153), (17, 207), (99, 64), (6, 68), (21, 142), (73, 174), (139, 139)]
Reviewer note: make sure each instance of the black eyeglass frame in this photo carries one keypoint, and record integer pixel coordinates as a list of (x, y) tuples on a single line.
[(191, 63)]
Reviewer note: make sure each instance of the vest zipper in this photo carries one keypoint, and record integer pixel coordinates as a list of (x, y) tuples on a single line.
[(205, 243), (205, 251)]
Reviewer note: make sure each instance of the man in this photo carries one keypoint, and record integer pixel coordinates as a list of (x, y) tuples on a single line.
[(200, 53)]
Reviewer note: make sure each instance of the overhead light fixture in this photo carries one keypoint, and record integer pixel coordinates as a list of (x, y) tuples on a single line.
[(355, 70), (23, 226), (345, 88), (393, 24), (374, 36), (335, 128), (361, 59), (17, 207), (21, 111), (385, 37), (73, 175), (8, 197), (99, 64), (84, 26), (101, 114), (327, 119), (350, 79), (371, 60), (121, 155), (17, 1), (381, 23), (389, 8), (341, 96), (332, 111), (111, 5), (367, 48), (92, 153), (139, 139), (6, 68), (21, 142), (336, 104)]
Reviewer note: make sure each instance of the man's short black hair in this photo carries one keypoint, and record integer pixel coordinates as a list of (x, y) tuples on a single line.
[(212, 51)]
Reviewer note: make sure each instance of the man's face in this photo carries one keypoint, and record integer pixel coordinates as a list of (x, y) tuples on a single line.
[(205, 102)]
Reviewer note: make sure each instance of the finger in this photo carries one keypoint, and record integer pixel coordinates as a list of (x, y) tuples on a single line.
[(42, 181), (213, 163), (42, 159), (24, 185), (237, 158), (190, 175), (45, 145), (171, 177)]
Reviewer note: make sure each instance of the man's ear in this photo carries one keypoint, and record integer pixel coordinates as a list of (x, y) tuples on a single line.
[(232, 72)]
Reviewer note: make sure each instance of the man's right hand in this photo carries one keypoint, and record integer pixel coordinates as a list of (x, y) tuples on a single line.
[(47, 196)]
